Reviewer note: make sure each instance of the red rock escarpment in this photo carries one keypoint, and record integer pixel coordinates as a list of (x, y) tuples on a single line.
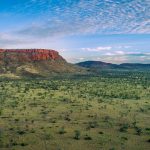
[(24, 55)]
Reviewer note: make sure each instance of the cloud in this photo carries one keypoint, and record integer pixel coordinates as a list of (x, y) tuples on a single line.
[(118, 59), (116, 53), (109, 54), (7, 40), (97, 49), (64, 18), (120, 52), (37, 23)]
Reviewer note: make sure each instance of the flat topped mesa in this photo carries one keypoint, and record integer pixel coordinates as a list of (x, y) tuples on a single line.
[(30, 54)]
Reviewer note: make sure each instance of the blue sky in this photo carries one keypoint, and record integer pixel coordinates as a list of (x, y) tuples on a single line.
[(115, 31)]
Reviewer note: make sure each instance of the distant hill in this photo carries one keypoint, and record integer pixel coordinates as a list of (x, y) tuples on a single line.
[(134, 66), (96, 65), (34, 63)]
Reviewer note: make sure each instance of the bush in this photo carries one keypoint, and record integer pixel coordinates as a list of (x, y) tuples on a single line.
[(62, 130), (1, 112), (21, 132), (47, 136), (77, 134), (148, 140), (92, 124), (124, 128), (23, 144), (101, 132), (138, 130), (87, 137)]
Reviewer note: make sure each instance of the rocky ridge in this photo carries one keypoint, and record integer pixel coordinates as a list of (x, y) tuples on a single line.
[(34, 62), (27, 55)]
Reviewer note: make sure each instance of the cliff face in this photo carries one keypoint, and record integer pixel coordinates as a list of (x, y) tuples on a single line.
[(33, 62), (29, 55)]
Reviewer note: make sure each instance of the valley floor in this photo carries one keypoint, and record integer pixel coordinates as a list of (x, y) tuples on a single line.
[(81, 113)]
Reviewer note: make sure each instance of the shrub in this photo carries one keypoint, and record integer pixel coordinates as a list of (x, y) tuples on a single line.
[(124, 138), (92, 124), (47, 136), (77, 134), (1, 112), (138, 130), (87, 137), (21, 132), (62, 130), (23, 144), (124, 128), (112, 148), (101, 132)]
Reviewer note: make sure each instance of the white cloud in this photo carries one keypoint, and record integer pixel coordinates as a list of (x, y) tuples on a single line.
[(8, 40), (120, 52), (88, 17), (81, 58), (114, 53), (79, 18), (97, 49), (109, 54)]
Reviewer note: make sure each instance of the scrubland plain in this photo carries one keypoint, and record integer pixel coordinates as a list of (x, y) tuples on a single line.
[(110, 111)]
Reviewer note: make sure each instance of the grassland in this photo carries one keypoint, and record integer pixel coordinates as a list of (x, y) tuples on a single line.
[(106, 112)]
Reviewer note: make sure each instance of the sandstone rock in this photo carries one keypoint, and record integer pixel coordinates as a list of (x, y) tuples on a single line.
[(34, 63), (29, 54)]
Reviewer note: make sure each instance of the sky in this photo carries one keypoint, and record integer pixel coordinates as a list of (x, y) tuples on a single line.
[(116, 31)]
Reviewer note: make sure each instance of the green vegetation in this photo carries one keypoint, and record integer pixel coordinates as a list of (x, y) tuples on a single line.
[(108, 112), (77, 135)]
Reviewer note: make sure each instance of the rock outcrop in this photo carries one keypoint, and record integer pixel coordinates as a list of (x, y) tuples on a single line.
[(34, 62), (28, 55)]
